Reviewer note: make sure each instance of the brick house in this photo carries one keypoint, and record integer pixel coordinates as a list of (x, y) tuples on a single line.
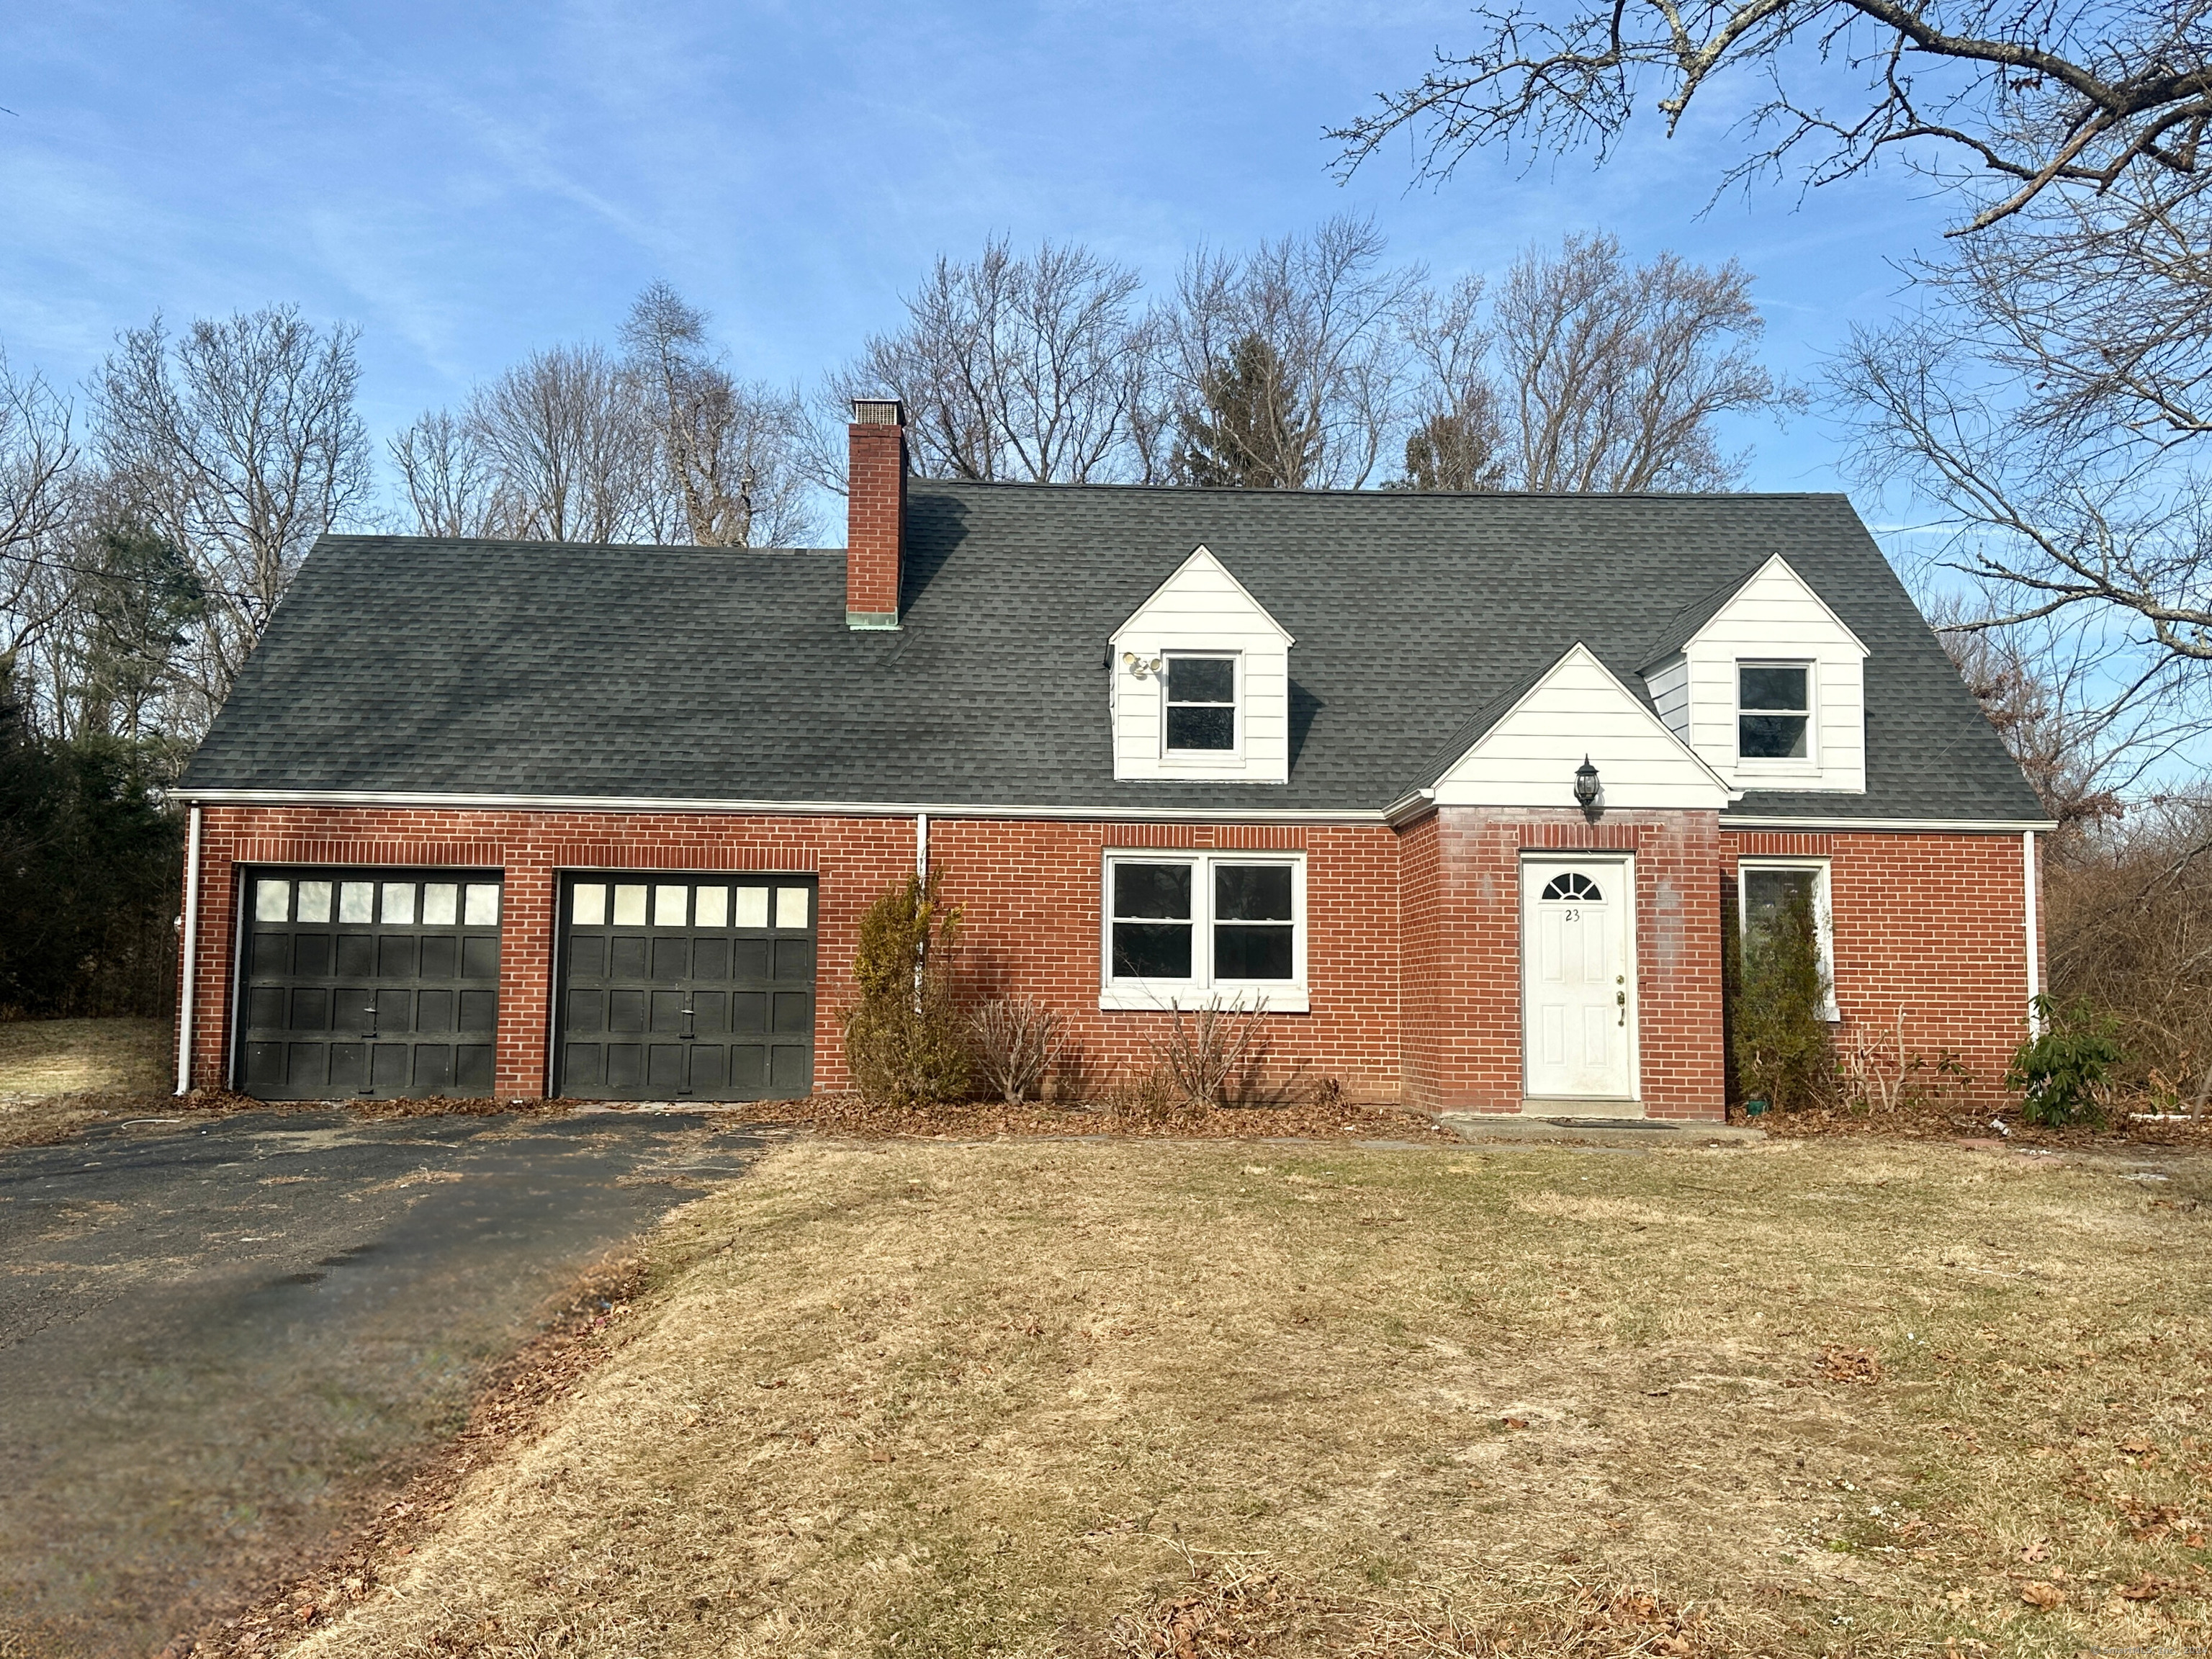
[(1463, 790)]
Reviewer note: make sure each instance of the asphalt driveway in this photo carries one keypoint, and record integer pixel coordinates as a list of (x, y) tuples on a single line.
[(215, 1338)]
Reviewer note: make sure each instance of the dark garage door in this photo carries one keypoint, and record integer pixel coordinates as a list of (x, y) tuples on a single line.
[(369, 982), (687, 987)]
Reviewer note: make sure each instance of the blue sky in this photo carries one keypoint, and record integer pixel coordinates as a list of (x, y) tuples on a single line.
[(467, 182)]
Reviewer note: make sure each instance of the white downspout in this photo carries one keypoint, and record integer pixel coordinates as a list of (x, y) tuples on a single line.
[(2034, 944), (921, 845), (185, 986)]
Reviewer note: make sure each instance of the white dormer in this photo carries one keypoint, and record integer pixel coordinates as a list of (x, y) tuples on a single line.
[(1202, 682), (1769, 688), (1576, 710)]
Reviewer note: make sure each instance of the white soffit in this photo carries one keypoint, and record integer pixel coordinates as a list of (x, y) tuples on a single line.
[(1579, 707)]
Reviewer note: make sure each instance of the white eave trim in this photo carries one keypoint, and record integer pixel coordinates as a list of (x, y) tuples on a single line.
[(1830, 826), (833, 809), (1409, 809)]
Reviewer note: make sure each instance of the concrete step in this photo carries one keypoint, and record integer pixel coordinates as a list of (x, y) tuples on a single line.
[(1647, 1132)]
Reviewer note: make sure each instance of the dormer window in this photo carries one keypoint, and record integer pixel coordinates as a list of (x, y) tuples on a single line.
[(1774, 712), (1202, 705), (1199, 682)]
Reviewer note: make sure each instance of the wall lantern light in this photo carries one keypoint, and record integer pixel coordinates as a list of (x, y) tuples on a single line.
[(1586, 789)]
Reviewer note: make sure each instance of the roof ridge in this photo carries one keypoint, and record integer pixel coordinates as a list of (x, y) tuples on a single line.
[(1383, 492)]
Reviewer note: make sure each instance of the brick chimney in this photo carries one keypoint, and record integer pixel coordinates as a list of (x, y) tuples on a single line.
[(875, 511)]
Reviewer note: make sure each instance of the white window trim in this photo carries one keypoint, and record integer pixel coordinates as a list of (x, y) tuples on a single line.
[(1205, 760), (1824, 912), (1790, 766), (1272, 996)]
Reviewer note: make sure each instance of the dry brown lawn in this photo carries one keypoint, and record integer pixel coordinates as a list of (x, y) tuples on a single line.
[(1105, 1399), (58, 1075)]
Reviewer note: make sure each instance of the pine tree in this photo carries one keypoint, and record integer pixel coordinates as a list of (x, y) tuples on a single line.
[(1249, 432)]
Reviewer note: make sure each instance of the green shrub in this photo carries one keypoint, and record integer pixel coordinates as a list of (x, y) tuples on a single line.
[(1780, 1039), (2055, 1072), (905, 1041)]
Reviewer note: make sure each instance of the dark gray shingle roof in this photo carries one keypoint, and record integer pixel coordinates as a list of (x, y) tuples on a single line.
[(469, 667)]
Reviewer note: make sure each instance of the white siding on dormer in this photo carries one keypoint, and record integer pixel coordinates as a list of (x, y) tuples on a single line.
[(1530, 757), (1776, 617), (1203, 608), (1669, 684)]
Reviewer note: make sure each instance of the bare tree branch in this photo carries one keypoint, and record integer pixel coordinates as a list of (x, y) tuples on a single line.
[(2074, 93)]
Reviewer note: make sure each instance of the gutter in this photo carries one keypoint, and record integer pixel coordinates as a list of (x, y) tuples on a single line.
[(1405, 810), (2031, 895), (185, 986), (1965, 826), (841, 809), (1410, 808)]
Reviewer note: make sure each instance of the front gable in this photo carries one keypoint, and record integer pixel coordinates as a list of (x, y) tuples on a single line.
[(1774, 616), (1577, 707), (1201, 611)]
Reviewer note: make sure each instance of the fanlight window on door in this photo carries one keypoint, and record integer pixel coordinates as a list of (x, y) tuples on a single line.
[(1573, 885)]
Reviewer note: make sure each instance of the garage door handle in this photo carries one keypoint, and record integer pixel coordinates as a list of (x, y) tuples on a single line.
[(370, 1010), (689, 1034)]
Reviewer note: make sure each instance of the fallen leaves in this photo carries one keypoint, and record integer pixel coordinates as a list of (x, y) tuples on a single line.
[(1836, 1364), (2042, 1596)]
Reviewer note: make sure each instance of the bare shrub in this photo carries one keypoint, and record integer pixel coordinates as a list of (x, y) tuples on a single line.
[(1210, 1052), (1142, 1096), (2129, 921), (1017, 1041), (1877, 1071)]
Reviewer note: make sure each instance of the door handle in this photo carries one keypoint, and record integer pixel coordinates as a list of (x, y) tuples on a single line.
[(688, 1034), (1620, 1002), (369, 1008)]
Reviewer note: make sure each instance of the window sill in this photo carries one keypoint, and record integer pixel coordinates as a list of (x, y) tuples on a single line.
[(1277, 999)]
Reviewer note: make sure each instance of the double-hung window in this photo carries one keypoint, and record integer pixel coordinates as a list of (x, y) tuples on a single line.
[(1181, 929), (1201, 706), (1774, 713), (1776, 896)]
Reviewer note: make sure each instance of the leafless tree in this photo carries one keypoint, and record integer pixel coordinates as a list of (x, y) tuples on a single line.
[(1587, 373), (730, 454), (2082, 92), (567, 437), (237, 443), (453, 488), (1034, 366), (38, 457), (1458, 440), (1614, 375), (1307, 328)]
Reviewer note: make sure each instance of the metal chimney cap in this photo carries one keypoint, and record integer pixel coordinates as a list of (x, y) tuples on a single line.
[(879, 411)]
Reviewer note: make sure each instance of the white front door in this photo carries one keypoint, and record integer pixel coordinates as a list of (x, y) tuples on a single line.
[(1577, 980)]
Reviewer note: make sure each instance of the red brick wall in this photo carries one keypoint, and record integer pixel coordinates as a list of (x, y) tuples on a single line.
[(856, 859), (1031, 892), (1414, 940), (1932, 923), (1462, 953)]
